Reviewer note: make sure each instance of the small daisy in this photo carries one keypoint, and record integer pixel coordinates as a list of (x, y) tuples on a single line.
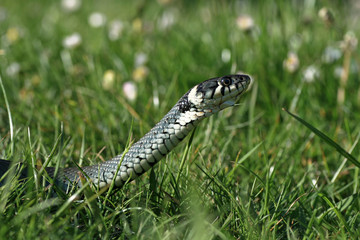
[(140, 59), (331, 55), (166, 20), (226, 55), (13, 69), (326, 15), (70, 5), (350, 42), (115, 30), (291, 63), (72, 41), (97, 20), (130, 90), (245, 23), (310, 74)]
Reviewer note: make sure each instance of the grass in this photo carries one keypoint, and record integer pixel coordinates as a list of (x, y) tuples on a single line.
[(250, 172)]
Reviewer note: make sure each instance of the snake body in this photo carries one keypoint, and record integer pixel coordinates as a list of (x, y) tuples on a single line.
[(199, 102)]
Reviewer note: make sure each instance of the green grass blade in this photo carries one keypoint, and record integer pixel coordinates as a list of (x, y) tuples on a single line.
[(9, 115), (238, 162), (337, 212), (345, 159), (328, 140), (184, 156), (69, 201), (36, 209)]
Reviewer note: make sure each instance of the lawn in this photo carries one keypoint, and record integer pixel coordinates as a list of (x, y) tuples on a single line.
[(80, 80)]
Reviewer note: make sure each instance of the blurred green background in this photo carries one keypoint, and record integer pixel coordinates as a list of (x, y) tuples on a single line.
[(91, 69)]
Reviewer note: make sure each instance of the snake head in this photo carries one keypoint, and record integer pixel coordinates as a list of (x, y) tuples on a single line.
[(216, 94)]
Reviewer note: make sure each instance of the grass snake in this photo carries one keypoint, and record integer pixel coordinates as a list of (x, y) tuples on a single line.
[(199, 102)]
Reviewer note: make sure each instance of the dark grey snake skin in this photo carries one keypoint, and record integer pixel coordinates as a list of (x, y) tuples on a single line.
[(198, 103)]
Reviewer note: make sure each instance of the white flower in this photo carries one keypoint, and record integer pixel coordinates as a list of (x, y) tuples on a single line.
[(130, 90), (156, 101), (13, 69), (331, 54), (167, 20), (350, 41), (291, 63), (115, 30), (245, 23), (326, 16), (225, 55), (70, 5), (310, 74), (97, 20), (140, 59), (72, 40)]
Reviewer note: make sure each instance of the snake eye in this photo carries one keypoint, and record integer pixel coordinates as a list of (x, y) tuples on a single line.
[(226, 81)]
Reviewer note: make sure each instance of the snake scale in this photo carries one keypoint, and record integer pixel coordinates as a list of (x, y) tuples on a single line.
[(199, 102)]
